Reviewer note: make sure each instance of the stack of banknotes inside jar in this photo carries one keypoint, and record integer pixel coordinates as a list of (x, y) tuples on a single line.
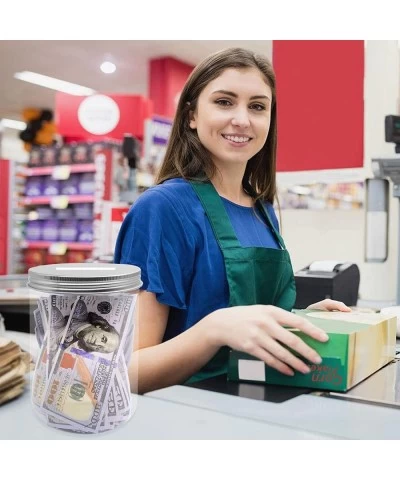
[(81, 381)]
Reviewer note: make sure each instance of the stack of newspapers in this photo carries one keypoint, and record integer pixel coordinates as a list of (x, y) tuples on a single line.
[(14, 363), (81, 379)]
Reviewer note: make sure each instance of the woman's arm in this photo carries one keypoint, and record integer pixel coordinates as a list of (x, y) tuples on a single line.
[(255, 329), (157, 365)]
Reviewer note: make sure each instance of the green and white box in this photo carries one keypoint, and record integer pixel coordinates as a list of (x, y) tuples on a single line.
[(359, 344)]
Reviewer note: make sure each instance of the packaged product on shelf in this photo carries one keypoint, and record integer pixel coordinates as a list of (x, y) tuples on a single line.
[(64, 213), (44, 212), (83, 211), (70, 186), (34, 186), (51, 186), (80, 154), (33, 230), (76, 256), (85, 231), (34, 257), (35, 157), (68, 230), (87, 184), (52, 259), (50, 230), (49, 157), (64, 155)]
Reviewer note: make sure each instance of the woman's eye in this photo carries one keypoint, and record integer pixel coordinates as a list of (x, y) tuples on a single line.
[(223, 102), (257, 106)]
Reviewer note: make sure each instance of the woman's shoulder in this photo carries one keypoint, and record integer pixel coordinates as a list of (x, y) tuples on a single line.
[(173, 198), (175, 191)]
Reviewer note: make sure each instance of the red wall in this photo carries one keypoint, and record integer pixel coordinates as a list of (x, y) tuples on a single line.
[(320, 99), (134, 109), (167, 78), (4, 204)]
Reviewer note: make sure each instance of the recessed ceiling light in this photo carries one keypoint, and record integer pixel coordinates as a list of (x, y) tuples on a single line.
[(8, 123), (53, 83), (108, 67)]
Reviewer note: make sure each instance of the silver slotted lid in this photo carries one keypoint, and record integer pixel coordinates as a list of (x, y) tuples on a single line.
[(85, 277)]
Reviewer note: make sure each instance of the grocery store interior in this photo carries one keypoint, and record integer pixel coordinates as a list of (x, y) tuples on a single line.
[(84, 126)]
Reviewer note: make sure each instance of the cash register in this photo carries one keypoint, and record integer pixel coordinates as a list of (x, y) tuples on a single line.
[(327, 279)]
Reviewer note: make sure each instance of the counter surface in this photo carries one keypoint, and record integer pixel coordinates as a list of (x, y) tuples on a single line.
[(154, 418)]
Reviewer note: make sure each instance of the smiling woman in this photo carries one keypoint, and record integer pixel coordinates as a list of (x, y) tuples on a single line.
[(214, 276), (233, 122)]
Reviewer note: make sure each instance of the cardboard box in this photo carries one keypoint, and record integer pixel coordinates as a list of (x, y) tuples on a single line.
[(359, 344)]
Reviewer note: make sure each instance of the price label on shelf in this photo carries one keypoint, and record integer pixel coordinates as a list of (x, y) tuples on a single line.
[(61, 172), (58, 248), (59, 202)]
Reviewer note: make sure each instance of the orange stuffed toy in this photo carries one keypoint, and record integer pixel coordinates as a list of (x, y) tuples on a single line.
[(40, 128)]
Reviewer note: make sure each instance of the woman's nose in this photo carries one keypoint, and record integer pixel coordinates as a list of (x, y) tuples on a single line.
[(240, 118)]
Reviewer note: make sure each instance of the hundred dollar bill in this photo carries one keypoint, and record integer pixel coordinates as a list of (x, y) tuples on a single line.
[(43, 304), (40, 376), (118, 405), (125, 386), (84, 368), (39, 327), (59, 313), (128, 345), (56, 421), (117, 410)]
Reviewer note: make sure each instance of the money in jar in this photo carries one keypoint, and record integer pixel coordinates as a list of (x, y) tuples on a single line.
[(84, 325)]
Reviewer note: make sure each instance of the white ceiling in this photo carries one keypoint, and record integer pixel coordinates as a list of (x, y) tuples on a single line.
[(78, 62)]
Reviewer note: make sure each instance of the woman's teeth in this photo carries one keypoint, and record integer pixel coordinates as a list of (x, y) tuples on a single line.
[(236, 139)]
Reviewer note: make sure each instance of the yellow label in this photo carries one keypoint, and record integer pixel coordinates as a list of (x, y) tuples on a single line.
[(58, 248), (59, 202), (61, 172)]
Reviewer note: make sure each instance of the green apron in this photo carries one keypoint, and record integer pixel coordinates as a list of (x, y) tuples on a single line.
[(255, 275)]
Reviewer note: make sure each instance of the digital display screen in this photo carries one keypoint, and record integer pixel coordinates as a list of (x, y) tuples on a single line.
[(392, 129)]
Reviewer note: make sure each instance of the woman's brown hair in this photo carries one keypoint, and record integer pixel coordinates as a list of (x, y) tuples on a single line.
[(187, 158)]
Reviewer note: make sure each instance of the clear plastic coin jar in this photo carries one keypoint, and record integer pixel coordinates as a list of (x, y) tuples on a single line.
[(84, 325)]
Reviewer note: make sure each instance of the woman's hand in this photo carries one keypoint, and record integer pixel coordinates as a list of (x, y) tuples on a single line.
[(259, 330), (329, 305)]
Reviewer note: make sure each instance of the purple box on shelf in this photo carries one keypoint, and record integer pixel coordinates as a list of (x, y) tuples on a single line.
[(85, 230), (83, 211), (50, 230), (45, 213), (68, 230), (51, 187), (86, 184), (70, 186), (33, 230), (34, 187), (64, 213)]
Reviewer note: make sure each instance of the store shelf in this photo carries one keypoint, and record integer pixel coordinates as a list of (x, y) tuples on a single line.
[(69, 245), (36, 171), (51, 199)]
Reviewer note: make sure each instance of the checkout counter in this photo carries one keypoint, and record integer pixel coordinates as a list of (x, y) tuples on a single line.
[(182, 412), (217, 409)]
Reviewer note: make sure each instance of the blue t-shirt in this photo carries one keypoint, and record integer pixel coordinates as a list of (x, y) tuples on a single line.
[(167, 234)]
